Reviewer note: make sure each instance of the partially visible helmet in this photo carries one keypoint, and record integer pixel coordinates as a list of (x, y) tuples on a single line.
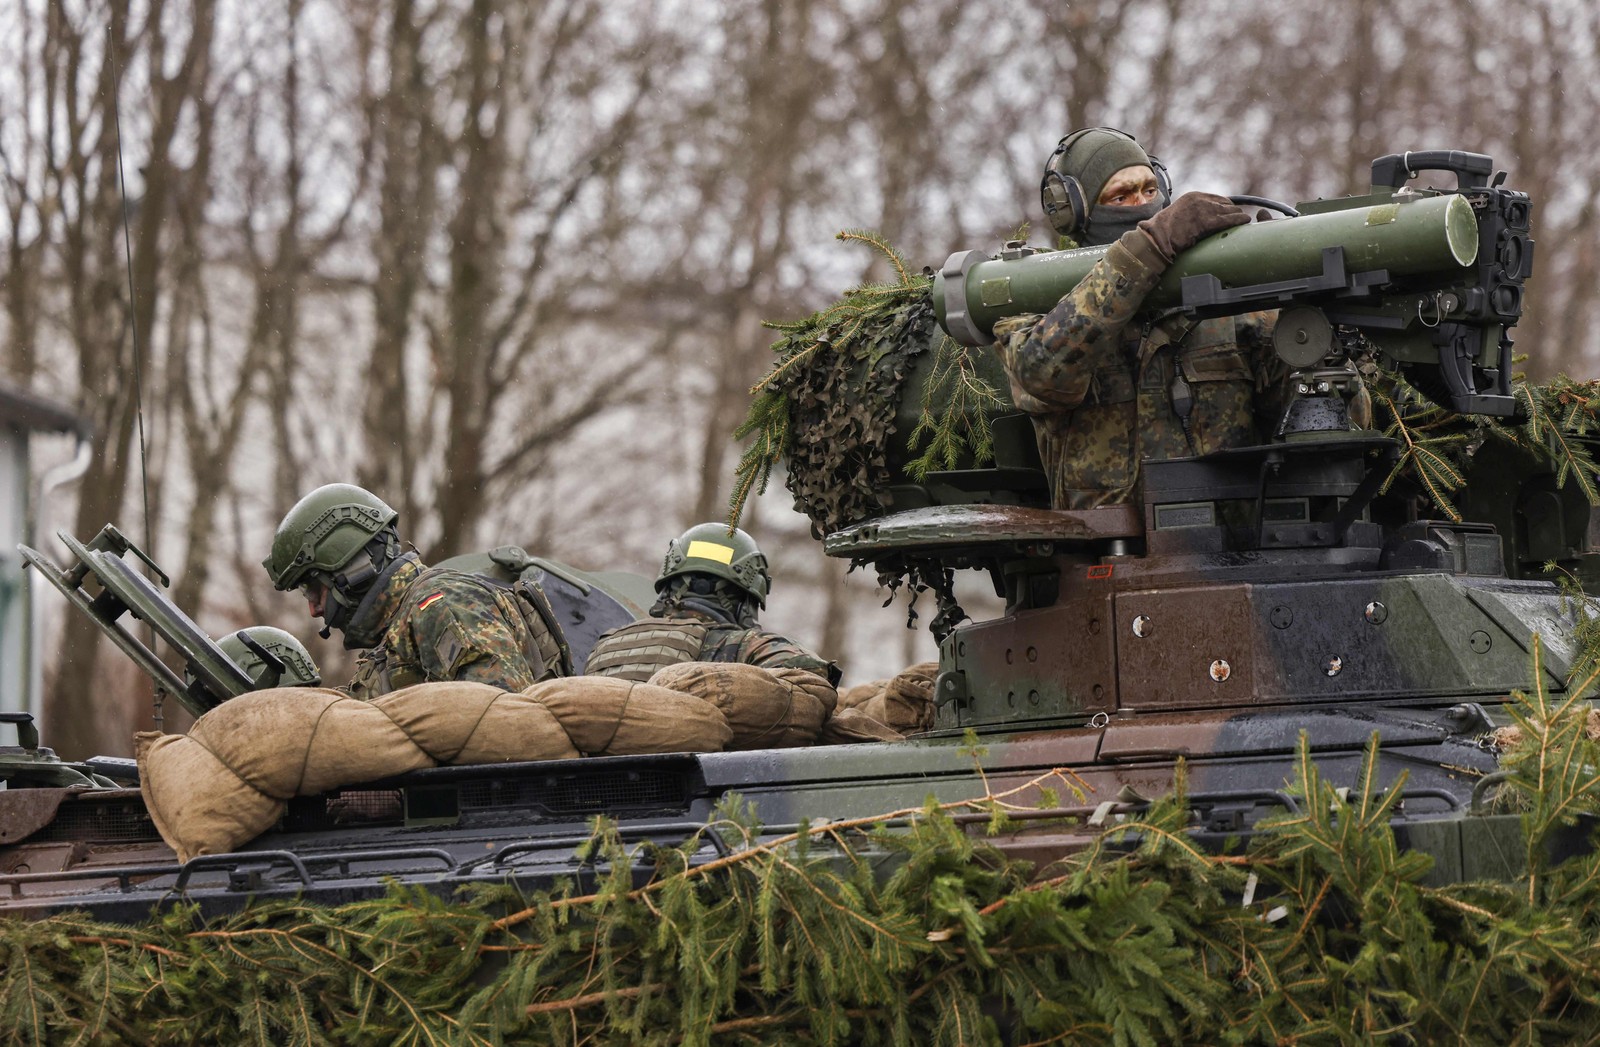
[(299, 670), (324, 532), (1079, 168), (244, 649), (710, 548)]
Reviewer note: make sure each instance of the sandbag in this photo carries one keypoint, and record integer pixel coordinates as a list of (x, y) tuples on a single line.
[(906, 701), (467, 723), (198, 805), (610, 716), (813, 684), (226, 781), (851, 697), (299, 741), (765, 708), (847, 726)]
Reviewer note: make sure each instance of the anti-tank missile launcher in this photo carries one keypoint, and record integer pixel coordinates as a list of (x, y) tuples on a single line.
[(1432, 279), (1259, 593)]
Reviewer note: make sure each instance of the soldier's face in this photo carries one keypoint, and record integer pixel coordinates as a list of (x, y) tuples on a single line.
[(1130, 187), (316, 595)]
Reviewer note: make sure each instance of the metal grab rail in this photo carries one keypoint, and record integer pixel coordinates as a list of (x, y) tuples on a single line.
[(231, 861)]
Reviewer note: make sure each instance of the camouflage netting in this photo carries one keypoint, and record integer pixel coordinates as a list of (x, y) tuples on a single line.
[(828, 407), (842, 415)]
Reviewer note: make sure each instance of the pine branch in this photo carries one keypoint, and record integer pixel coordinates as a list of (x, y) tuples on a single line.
[(823, 407), (908, 927), (956, 404)]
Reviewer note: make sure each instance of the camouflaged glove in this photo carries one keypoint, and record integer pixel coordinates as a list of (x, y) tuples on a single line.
[(1190, 218)]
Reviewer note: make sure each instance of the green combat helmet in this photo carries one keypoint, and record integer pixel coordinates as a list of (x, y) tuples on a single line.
[(270, 657), (710, 548), (339, 535), (246, 647)]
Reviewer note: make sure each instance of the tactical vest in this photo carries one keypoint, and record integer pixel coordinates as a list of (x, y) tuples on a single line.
[(547, 647), (635, 651), (378, 672), (1176, 391)]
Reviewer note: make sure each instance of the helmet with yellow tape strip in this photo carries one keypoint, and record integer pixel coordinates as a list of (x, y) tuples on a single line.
[(716, 550)]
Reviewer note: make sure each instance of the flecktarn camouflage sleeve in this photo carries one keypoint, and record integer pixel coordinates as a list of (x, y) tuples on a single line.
[(771, 651), (461, 634), (1052, 360)]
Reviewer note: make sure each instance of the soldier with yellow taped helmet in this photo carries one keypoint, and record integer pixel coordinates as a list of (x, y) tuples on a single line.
[(713, 583)]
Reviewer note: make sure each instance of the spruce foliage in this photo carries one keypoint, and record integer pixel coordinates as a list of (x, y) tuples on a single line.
[(827, 407), (911, 928), (956, 404), (1558, 426)]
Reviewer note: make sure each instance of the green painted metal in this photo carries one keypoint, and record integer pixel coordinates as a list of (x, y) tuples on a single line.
[(215, 677), (1407, 236)]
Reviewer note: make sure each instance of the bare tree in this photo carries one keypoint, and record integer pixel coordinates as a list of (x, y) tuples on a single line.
[(22, 193), (86, 62)]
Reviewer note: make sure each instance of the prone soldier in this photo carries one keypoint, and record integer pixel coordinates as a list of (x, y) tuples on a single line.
[(711, 587), (414, 624)]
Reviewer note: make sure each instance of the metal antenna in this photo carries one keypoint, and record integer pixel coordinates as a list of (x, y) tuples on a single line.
[(133, 317)]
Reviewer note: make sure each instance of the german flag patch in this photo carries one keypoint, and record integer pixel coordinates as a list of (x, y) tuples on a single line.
[(423, 606)]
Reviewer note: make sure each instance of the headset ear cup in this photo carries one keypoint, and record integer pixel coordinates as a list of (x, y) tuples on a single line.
[(1052, 197), (1061, 196), (1060, 193), (1163, 180), (1080, 209)]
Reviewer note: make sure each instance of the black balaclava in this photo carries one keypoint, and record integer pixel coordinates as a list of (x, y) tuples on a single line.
[(709, 595), (1107, 224)]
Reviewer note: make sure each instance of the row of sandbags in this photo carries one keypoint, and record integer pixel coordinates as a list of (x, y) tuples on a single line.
[(230, 777)]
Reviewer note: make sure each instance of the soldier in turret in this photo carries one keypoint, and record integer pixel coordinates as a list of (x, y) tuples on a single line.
[(1106, 392), (340, 546), (712, 585)]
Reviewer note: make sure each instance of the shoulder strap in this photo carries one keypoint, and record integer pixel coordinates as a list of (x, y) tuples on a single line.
[(532, 594)]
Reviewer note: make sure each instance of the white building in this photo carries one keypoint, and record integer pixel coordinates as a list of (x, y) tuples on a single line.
[(20, 415)]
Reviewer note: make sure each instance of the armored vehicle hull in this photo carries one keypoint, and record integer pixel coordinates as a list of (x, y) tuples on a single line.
[(1253, 604), (523, 823), (1257, 597), (1133, 645)]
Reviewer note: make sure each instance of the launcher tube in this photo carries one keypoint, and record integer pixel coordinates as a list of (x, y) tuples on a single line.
[(1411, 236)]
